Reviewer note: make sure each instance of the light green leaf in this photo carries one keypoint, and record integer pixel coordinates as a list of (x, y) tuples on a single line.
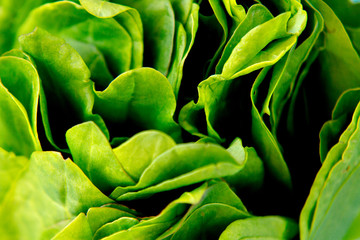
[(92, 152), (11, 167), (19, 98), (267, 228), (194, 163), (49, 193), (78, 229)]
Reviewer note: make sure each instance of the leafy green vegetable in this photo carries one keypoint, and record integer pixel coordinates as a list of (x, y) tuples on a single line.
[(173, 115)]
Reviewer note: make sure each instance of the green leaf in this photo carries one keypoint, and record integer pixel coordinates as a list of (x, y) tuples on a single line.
[(256, 15), (269, 227), (194, 163), (338, 58), (49, 193), (128, 18), (252, 175), (99, 216), (78, 229), (247, 56), (92, 152), (19, 98), (11, 17), (337, 211), (104, 45), (333, 157), (11, 167), (141, 150), (142, 97), (67, 91), (265, 141), (331, 131), (185, 37), (217, 209), (153, 227), (159, 30)]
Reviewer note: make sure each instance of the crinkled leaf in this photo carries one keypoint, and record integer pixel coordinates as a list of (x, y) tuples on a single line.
[(159, 30), (104, 45), (49, 193), (252, 175), (128, 18), (67, 91), (194, 163)]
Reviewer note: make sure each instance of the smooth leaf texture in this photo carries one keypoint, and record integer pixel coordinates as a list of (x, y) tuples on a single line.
[(142, 97), (337, 211), (269, 227), (265, 141)]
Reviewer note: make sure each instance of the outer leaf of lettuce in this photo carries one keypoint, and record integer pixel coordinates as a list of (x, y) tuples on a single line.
[(108, 168), (337, 212), (333, 157), (78, 229), (265, 141), (332, 129), (11, 167), (218, 208), (48, 194), (19, 101), (251, 177), (185, 37)]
